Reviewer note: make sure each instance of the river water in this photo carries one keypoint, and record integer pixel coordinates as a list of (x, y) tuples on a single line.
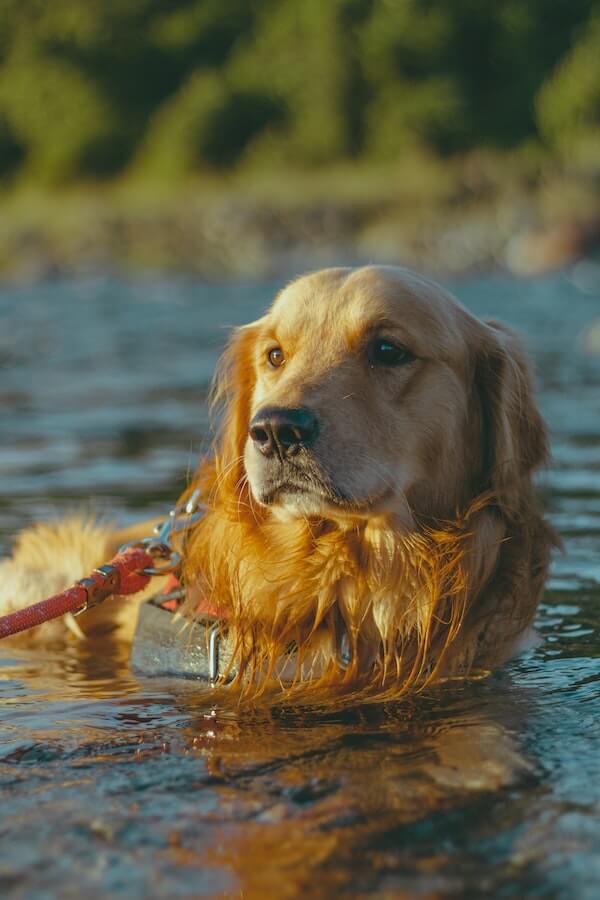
[(113, 785)]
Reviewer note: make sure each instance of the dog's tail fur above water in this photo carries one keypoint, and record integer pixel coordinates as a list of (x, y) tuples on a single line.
[(50, 557)]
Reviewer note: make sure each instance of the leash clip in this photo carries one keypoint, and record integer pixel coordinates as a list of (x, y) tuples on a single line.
[(180, 519)]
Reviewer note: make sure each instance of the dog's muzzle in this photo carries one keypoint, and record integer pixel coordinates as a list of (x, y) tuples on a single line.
[(283, 432)]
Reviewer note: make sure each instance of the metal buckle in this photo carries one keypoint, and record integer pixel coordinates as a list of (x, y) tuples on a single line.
[(213, 653), (99, 590), (161, 550), (160, 547)]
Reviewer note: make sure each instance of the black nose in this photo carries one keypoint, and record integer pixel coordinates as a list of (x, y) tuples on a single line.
[(283, 431)]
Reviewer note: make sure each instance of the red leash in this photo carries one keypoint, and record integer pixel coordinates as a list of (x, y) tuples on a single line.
[(124, 574), (127, 573)]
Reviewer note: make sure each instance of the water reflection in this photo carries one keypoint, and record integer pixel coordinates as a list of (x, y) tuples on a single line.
[(406, 797)]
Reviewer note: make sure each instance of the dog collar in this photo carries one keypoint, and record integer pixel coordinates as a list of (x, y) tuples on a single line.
[(166, 644)]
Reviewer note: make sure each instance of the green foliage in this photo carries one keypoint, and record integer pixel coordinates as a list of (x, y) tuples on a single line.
[(206, 123), (11, 152), (568, 106), (414, 97), (59, 116), (301, 57), (166, 88)]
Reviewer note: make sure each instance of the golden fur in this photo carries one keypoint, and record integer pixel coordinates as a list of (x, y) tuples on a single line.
[(422, 541), (410, 526)]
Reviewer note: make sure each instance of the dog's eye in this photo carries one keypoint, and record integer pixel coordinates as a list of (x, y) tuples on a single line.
[(276, 357), (385, 353)]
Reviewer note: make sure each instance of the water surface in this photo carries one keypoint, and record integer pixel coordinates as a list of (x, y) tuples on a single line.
[(115, 785)]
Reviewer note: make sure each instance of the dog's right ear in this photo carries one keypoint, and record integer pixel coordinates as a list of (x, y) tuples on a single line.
[(515, 441)]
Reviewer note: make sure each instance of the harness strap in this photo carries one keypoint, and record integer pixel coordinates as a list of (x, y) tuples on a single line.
[(173, 593)]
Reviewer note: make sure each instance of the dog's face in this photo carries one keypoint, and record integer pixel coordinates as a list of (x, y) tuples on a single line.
[(371, 391)]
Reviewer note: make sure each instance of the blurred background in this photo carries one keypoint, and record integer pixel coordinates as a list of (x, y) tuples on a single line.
[(253, 137)]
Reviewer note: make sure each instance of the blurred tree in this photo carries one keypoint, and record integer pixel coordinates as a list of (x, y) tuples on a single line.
[(206, 123), (414, 96), (302, 54), (501, 54), (568, 105), (59, 116), (169, 87), (11, 151)]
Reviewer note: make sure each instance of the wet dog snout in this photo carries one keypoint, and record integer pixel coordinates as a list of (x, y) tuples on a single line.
[(283, 431)]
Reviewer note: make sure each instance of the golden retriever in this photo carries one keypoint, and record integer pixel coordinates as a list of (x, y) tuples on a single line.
[(370, 488)]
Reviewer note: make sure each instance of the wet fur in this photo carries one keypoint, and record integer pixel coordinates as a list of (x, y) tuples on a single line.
[(441, 584), (439, 581)]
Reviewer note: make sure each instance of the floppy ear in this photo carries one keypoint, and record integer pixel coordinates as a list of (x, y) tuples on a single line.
[(514, 435), (230, 400)]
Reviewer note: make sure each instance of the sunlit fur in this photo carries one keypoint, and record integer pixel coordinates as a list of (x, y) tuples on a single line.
[(436, 566), (417, 536)]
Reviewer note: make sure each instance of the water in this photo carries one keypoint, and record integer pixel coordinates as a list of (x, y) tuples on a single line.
[(113, 785)]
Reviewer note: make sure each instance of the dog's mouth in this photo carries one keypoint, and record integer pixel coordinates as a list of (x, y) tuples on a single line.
[(293, 483), (308, 491)]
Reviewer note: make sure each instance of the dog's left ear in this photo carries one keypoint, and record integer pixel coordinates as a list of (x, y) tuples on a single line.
[(230, 400), (515, 440)]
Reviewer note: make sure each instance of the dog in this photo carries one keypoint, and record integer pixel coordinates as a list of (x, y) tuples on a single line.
[(370, 488)]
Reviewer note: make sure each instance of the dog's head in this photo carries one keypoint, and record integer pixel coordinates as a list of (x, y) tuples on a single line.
[(367, 392)]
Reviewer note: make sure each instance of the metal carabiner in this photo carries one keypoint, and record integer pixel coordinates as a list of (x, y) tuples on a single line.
[(177, 522)]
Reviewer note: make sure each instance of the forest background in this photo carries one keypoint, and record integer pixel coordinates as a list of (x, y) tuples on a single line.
[(246, 136)]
